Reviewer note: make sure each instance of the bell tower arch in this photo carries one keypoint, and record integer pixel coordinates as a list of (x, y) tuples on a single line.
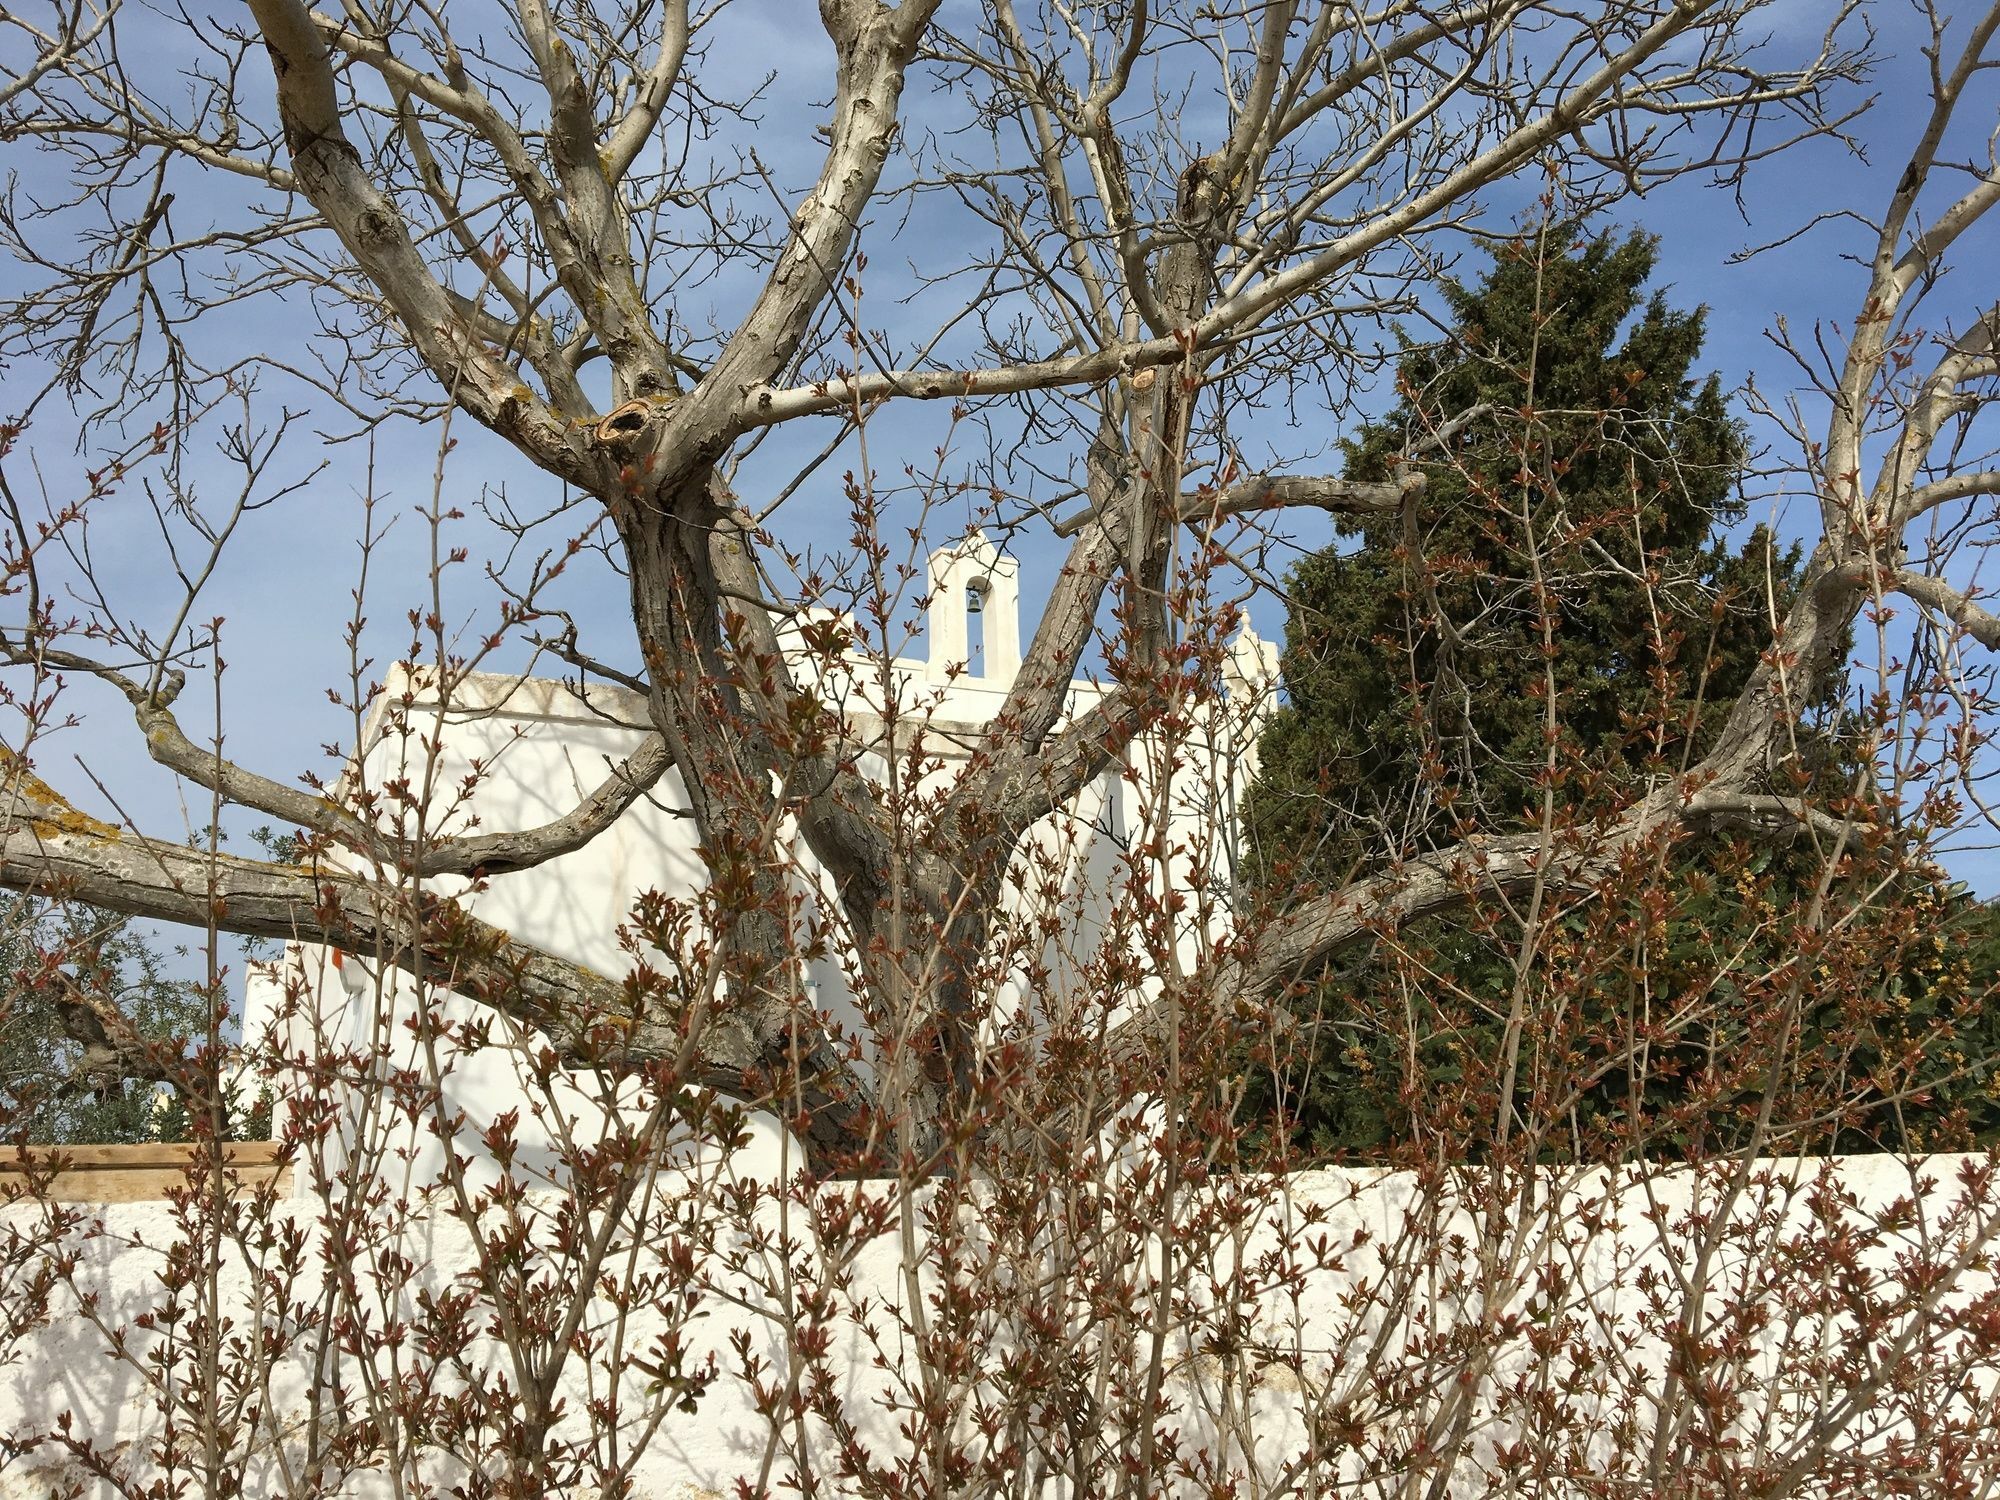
[(973, 578)]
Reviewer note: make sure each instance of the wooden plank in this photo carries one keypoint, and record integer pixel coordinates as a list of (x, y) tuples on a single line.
[(136, 1174), (142, 1156)]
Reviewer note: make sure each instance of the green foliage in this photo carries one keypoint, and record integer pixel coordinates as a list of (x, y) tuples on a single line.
[(1660, 1018), (46, 1095), (1557, 616), (1579, 508)]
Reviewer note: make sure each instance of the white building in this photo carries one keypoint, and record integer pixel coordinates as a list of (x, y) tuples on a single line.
[(540, 745)]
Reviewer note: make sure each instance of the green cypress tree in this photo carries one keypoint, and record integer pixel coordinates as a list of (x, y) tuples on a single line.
[(1566, 566), (1413, 659)]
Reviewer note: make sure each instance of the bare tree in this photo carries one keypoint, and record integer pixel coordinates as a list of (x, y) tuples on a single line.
[(1139, 227), (1138, 250)]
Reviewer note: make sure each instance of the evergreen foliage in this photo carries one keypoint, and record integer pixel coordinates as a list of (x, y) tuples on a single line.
[(48, 1095), (1580, 487), (1598, 457)]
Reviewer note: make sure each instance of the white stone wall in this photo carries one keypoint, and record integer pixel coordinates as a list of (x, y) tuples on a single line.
[(1577, 1341), (506, 752)]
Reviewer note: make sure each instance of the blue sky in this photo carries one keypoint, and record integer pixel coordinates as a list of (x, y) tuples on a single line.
[(283, 587)]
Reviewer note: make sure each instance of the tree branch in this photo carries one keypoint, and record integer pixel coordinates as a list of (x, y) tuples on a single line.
[(114, 1050), (523, 849), (636, 125), (874, 46), (49, 848), (1937, 595), (329, 172)]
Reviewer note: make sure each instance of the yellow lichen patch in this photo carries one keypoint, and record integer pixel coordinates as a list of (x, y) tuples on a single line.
[(50, 813), (69, 821)]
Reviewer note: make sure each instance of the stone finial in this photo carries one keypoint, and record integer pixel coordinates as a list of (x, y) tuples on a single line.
[(1250, 673), (1251, 669)]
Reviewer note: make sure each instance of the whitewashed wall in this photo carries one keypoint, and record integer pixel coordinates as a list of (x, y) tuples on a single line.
[(529, 749), (100, 1363)]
